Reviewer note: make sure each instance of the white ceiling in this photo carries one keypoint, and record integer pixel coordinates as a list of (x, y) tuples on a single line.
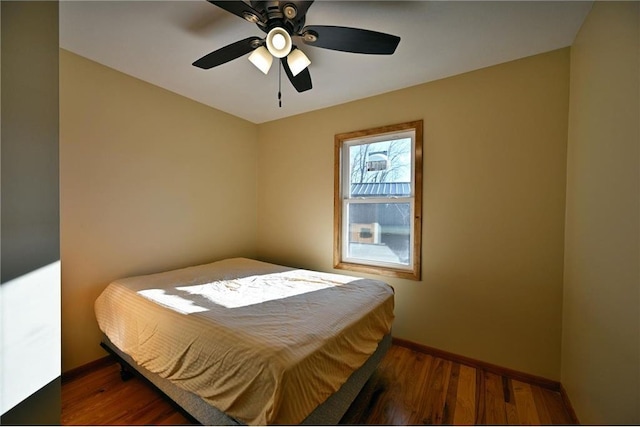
[(157, 41)]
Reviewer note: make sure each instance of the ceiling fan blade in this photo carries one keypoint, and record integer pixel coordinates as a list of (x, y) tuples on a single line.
[(354, 40), (239, 8), (302, 82), (227, 53)]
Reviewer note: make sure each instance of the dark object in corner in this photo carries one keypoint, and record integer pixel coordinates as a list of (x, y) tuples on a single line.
[(126, 371)]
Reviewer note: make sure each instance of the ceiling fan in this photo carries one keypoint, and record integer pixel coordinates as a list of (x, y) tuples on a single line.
[(282, 21)]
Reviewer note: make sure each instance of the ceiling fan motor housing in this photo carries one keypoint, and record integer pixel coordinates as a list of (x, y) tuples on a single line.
[(279, 14)]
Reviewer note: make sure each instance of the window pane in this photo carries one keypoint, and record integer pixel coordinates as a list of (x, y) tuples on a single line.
[(380, 169), (378, 200), (379, 232)]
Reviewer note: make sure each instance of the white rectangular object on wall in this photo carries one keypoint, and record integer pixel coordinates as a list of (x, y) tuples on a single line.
[(30, 334)]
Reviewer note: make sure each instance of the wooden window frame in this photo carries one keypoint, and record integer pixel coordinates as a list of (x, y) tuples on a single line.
[(338, 262)]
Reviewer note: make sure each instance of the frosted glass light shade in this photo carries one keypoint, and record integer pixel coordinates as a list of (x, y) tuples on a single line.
[(279, 42), (261, 58), (297, 61)]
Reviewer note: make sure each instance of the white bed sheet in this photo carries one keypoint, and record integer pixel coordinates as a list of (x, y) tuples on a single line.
[(264, 343)]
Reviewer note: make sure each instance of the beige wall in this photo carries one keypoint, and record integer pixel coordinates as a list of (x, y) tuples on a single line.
[(149, 181), (601, 316), (494, 200)]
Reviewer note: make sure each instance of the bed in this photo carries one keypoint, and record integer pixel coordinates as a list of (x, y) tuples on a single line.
[(241, 341)]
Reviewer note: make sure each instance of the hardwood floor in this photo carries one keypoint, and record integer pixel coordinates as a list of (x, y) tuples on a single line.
[(101, 397), (409, 387)]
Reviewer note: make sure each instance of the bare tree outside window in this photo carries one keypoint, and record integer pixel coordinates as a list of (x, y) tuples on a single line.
[(398, 153)]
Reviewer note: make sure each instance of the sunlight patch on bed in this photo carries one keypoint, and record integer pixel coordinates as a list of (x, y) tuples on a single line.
[(243, 291), (251, 290), (174, 302)]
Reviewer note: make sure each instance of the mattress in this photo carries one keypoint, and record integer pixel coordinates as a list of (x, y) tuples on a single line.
[(263, 343)]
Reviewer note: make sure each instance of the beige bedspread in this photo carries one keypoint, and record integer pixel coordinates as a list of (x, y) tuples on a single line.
[(264, 343)]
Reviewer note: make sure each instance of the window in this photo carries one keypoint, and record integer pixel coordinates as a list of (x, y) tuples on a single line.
[(378, 200)]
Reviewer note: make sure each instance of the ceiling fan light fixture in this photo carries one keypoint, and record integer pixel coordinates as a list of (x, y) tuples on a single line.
[(297, 61), (279, 42), (262, 59)]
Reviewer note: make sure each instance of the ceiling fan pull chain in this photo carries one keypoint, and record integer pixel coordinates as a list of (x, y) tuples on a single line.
[(280, 85)]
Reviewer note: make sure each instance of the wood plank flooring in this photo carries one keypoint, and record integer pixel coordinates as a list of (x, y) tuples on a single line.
[(409, 387)]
